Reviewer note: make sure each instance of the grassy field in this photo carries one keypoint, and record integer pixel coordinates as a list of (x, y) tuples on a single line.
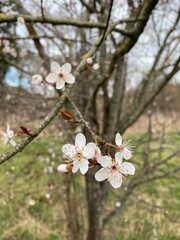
[(32, 198)]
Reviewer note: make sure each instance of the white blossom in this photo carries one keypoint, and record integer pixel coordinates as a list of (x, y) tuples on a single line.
[(36, 79), (8, 137), (79, 153), (113, 170), (95, 66), (121, 146), (60, 75)]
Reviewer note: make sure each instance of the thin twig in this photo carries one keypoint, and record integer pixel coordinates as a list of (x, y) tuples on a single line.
[(107, 24), (42, 9), (83, 121), (12, 63)]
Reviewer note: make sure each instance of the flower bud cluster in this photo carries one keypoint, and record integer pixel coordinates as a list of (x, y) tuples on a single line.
[(91, 65)]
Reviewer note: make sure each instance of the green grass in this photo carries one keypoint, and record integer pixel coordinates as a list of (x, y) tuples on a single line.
[(32, 174), (135, 221)]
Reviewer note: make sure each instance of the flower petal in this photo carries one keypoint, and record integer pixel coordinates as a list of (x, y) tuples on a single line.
[(127, 168), (97, 150), (92, 144), (69, 78), (55, 67), (118, 139), (66, 67), (1, 132), (102, 174), (5, 140), (118, 157), (8, 127), (127, 154), (105, 161), (75, 166), (115, 179), (12, 142), (10, 134), (60, 84), (69, 150), (88, 152), (83, 165), (80, 141), (52, 78)]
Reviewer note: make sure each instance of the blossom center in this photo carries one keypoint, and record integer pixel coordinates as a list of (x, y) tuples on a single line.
[(61, 74), (10, 134), (114, 166), (120, 148), (79, 155)]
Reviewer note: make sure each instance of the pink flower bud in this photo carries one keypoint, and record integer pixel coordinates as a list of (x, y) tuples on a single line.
[(36, 79), (89, 61), (20, 20), (64, 168), (95, 66)]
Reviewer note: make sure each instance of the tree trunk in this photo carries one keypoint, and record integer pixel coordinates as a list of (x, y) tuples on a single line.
[(96, 196)]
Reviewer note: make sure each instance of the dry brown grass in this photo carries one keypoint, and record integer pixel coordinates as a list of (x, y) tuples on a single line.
[(160, 121), (26, 223)]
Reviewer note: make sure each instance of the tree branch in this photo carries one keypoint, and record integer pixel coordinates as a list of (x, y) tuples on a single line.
[(135, 112), (12, 63), (107, 23), (88, 7), (68, 22), (128, 42), (20, 146), (83, 121), (42, 9)]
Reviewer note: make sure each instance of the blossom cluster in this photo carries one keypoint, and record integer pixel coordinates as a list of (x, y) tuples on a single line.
[(8, 136), (81, 155), (60, 75), (7, 49)]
